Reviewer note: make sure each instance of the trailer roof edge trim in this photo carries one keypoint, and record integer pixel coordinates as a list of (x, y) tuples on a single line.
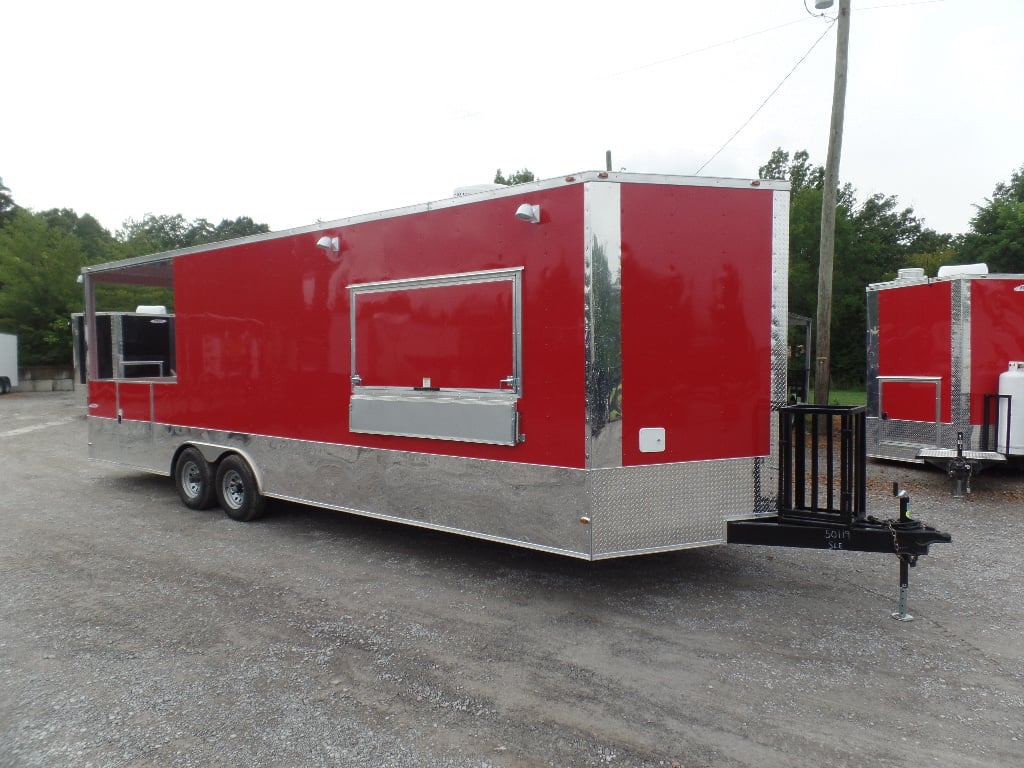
[(583, 177), (897, 283)]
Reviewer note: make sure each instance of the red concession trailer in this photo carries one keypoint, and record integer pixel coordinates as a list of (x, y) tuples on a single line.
[(942, 363), (585, 365)]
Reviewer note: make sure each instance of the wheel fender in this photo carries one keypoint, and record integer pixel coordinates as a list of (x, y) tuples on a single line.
[(213, 453)]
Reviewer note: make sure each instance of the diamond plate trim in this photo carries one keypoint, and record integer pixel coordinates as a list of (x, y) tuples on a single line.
[(903, 440), (668, 506), (960, 354), (766, 469)]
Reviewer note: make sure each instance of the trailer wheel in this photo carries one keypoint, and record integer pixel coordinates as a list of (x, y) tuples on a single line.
[(193, 477), (237, 492), (5, 385)]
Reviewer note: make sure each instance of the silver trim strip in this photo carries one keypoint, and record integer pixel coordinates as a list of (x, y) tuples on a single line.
[(435, 281), (602, 327)]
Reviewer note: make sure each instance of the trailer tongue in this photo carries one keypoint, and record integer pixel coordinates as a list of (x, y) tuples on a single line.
[(814, 514)]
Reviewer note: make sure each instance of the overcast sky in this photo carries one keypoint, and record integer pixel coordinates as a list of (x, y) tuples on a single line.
[(295, 111)]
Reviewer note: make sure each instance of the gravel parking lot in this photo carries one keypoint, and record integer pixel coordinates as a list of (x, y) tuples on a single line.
[(136, 632)]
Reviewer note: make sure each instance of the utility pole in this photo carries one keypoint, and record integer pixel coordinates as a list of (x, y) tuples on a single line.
[(826, 256)]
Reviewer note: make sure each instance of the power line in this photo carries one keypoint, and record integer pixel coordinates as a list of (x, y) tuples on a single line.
[(768, 98), (899, 5), (741, 38), (695, 51)]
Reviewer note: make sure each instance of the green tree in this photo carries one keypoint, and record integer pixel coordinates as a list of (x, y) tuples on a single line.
[(42, 255), (243, 226), (40, 265), (874, 239), (7, 205), (519, 177), (996, 236), (97, 243), (155, 234), (800, 174), (934, 255)]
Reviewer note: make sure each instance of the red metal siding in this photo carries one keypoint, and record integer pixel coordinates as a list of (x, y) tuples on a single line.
[(454, 335), (263, 328), (997, 336), (103, 399), (135, 400), (696, 321), (915, 339)]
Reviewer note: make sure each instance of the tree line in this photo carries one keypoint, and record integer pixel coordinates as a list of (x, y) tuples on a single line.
[(42, 254)]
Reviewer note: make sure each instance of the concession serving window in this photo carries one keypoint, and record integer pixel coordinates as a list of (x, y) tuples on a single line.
[(438, 357)]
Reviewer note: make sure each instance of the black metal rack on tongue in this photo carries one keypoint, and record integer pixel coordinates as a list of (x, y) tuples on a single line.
[(822, 495)]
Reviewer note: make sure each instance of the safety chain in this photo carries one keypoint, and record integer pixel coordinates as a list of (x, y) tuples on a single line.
[(891, 525)]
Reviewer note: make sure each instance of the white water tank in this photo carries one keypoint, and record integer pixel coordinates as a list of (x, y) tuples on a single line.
[(1011, 382)]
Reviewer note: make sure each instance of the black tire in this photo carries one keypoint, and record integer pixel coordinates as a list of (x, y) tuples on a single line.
[(5, 385), (237, 492), (193, 477)]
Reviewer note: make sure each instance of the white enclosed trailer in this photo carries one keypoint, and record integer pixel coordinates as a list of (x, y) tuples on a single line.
[(8, 362)]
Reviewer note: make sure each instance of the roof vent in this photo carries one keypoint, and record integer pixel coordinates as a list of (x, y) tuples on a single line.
[(963, 269), (910, 273)]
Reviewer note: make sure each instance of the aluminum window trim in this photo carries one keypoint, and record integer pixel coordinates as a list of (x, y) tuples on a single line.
[(513, 275)]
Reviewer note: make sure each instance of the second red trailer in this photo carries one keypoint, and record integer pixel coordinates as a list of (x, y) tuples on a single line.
[(937, 350)]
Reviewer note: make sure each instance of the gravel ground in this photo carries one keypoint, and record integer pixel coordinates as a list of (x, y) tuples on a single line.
[(135, 632)]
